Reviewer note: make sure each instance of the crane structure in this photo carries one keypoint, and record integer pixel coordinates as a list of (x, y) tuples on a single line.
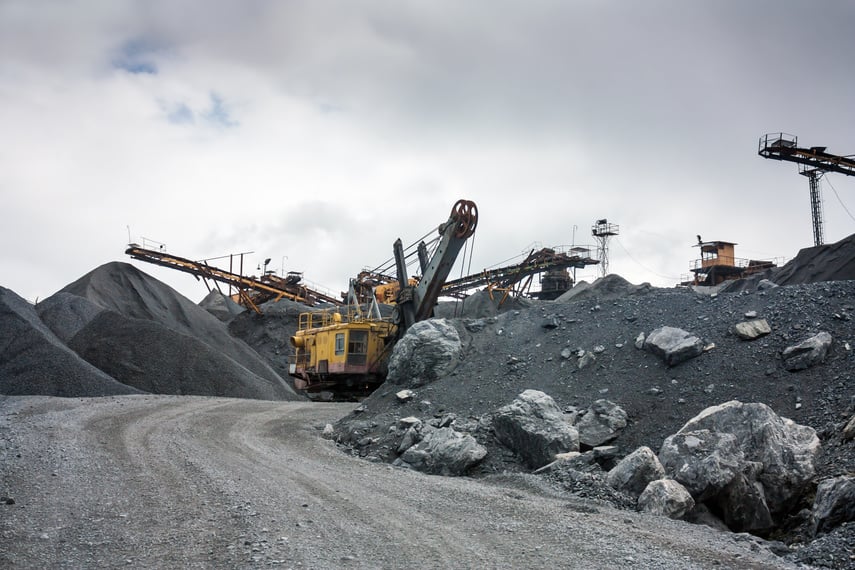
[(602, 230), (513, 279), (813, 163), (252, 291), (519, 276)]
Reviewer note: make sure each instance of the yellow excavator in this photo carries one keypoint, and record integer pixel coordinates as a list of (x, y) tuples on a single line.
[(344, 351)]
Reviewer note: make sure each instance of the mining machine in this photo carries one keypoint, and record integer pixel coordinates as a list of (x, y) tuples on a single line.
[(344, 351), (813, 163)]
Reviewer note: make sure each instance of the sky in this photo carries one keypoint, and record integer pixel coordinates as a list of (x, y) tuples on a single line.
[(316, 132)]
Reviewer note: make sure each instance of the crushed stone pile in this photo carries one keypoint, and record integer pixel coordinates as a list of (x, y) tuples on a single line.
[(221, 306), (141, 336), (830, 262), (539, 348), (269, 333), (611, 286), (479, 305), (33, 361), (124, 289)]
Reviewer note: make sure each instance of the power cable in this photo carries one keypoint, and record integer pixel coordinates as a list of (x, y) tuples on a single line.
[(839, 200), (671, 277)]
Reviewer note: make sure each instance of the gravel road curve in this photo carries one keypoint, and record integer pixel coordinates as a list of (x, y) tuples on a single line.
[(196, 482)]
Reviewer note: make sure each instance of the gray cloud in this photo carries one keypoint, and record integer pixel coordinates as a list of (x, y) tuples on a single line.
[(323, 131)]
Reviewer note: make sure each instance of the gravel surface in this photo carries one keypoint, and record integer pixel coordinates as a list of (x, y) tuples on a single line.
[(192, 482)]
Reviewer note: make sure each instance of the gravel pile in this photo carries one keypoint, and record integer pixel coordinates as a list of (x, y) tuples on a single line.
[(117, 330), (221, 306), (832, 262), (34, 361), (609, 287), (122, 288), (269, 333)]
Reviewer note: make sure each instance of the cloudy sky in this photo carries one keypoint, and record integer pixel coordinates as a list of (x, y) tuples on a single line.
[(316, 132)]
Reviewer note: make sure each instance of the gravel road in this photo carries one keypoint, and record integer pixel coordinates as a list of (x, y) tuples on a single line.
[(197, 482)]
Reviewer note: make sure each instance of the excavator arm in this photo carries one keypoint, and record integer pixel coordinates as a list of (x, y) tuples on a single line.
[(416, 303)]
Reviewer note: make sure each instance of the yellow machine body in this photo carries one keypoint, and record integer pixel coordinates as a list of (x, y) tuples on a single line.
[(341, 353)]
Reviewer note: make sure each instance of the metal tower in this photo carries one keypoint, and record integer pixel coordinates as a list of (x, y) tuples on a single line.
[(603, 230), (813, 162)]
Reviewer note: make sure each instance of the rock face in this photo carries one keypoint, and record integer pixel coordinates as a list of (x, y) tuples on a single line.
[(673, 345), (34, 361), (602, 423), (442, 451), (634, 472), (834, 503), (429, 350), (666, 497), (753, 329), (807, 353), (746, 460), (534, 427), (849, 430)]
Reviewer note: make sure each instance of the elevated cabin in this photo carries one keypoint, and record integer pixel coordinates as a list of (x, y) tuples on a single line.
[(718, 263)]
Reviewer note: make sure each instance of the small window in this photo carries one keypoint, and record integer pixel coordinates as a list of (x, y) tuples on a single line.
[(339, 343), (358, 342)]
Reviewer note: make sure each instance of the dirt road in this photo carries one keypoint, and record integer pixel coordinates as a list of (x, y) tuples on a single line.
[(169, 482)]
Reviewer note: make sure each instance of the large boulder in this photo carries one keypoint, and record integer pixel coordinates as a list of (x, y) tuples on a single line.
[(807, 353), (704, 462), (603, 422), (534, 427), (442, 451), (673, 345), (429, 350), (666, 497), (834, 503), (777, 465), (634, 472)]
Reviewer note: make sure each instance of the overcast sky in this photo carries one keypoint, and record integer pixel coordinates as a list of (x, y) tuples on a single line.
[(316, 132)]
